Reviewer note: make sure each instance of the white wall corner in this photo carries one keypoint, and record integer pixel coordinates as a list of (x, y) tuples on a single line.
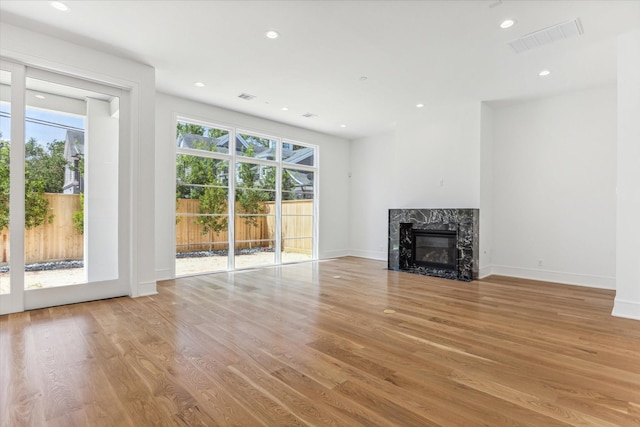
[(626, 309), (484, 272)]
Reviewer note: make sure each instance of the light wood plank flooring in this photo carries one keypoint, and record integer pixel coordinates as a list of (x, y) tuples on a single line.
[(310, 344)]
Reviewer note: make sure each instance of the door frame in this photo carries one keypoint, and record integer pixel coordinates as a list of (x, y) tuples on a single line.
[(20, 299)]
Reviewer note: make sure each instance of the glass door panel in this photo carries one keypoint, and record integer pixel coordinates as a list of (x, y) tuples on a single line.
[(298, 196), (255, 217), (71, 185), (202, 219)]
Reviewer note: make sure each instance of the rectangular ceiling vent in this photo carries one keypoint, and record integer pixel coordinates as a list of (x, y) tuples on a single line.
[(309, 115), (547, 35), (246, 96)]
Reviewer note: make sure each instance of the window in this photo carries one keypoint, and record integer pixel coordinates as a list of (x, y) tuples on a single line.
[(267, 186)]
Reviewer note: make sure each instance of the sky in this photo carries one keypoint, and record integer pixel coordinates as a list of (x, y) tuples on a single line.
[(43, 133)]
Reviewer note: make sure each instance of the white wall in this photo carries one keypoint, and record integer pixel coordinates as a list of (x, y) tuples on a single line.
[(627, 302), (554, 173), (432, 160), (437, 158), (372, 190), (486, 190), (333, 185), (49, 53)]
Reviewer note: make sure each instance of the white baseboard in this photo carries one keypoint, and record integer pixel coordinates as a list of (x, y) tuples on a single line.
[(146, 289), (333, 254), (626, 308), (601, 282), (377, 255)]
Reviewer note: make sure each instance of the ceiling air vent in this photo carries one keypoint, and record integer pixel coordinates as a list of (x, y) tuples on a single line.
[(246, 96), (547, 35), (309, 115)]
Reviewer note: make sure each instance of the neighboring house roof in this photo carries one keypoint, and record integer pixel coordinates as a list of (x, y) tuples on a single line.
[(303, 156), (301, 178), (74, 144), (189, 140)]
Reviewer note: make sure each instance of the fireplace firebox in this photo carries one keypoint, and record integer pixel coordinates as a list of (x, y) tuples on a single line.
[(434, 248)]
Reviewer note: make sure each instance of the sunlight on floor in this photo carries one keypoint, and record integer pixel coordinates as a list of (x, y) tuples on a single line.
[(184, 266)]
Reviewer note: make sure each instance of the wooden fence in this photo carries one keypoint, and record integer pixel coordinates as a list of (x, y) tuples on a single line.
[(190, 236), (59, 240), (297, 225), (297, 229), (53, 241)]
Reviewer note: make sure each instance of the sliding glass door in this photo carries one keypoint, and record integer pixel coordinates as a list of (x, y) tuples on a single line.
[(66, 193)]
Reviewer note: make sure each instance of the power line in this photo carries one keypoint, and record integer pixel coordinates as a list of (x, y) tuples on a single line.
[(43, 122)]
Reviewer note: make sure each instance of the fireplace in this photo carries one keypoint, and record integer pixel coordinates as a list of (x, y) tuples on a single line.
[(434, 248), (435, 242)]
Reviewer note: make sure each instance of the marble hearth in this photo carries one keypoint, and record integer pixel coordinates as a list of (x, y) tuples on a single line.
[(464, 222)]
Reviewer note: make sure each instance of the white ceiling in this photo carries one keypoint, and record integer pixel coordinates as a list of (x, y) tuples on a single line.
[(430, 52)]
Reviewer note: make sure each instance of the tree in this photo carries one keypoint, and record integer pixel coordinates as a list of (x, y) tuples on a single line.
[(44, 172), (250, 199), (46, 164)]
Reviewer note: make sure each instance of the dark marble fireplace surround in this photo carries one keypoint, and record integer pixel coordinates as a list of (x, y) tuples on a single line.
[(465, 222)]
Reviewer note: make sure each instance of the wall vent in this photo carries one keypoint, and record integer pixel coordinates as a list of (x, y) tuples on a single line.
[(547, 35), (309, 115), (246, 96)]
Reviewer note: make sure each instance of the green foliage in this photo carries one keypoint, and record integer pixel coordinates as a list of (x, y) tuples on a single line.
[(78, 216), (198, 130), (46, 164), (44, 173), (35, 205), (213, 201), (5, 156)]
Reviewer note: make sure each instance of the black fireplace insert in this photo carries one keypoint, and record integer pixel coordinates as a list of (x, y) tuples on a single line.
[(434, 248)]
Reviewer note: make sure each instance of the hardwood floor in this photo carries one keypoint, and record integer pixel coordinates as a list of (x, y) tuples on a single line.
[(310, 344)]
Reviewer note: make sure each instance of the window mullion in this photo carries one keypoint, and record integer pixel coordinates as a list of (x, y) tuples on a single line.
[(231, 203), (278, 203)]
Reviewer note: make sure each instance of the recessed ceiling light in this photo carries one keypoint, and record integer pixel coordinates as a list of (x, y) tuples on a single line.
[(199, 84), (59, 5), (343, 126), (507, 23), (285, 108), (419, 105), (40, 96), (544, 73), (271, 34)]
